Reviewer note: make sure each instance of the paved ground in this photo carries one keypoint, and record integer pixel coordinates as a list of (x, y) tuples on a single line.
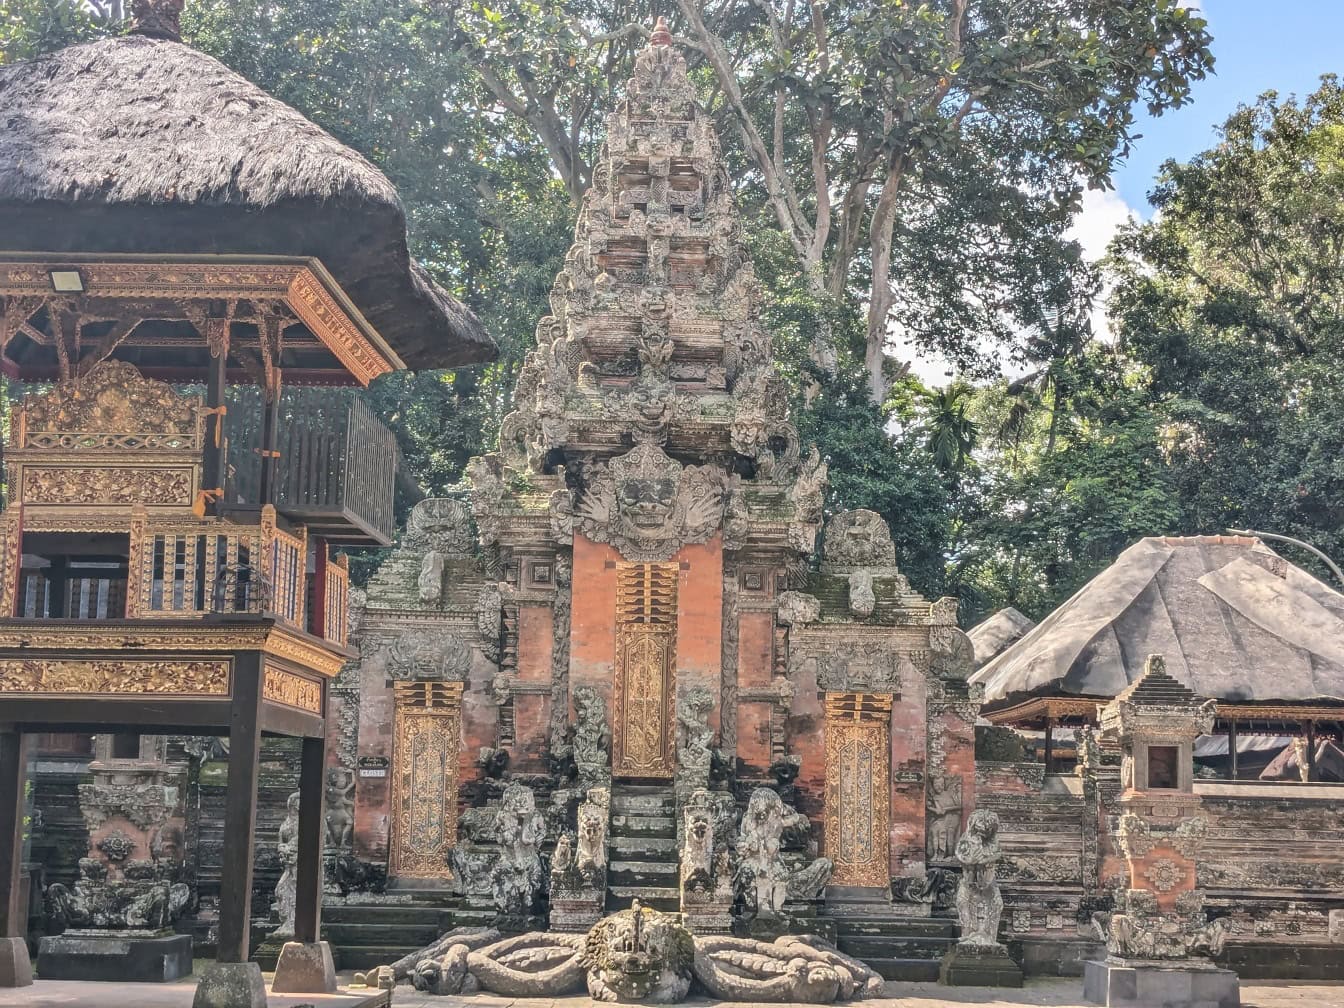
[(1038, 994)]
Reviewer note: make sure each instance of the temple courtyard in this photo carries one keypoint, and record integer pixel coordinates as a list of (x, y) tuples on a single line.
[(1052, 993)]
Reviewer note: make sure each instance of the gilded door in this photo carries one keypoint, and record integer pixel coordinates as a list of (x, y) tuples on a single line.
[(644, 678), (858, 795), (426, 742)]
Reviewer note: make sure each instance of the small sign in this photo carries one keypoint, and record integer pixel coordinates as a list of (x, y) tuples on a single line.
[(372, 772), (372, 766)]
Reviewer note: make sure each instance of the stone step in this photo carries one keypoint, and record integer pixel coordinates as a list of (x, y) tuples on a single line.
[(667, 899), (641, 825), (663, 846), (642, 873), (375, 914), (872, 926), (350, 935), (892, 947), (908, 970), (644, 804), (365, 957)]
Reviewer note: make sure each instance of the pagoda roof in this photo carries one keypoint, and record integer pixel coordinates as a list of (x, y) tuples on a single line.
[(1234, 621), (144, 145)]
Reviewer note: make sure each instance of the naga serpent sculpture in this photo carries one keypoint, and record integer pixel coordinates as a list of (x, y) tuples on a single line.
[(639, 956)]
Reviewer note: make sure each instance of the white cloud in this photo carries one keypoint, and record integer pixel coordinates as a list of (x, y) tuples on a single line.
[(1104, 211)]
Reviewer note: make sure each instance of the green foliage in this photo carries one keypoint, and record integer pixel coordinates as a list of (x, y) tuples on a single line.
[(29, 28), (1233, 300)]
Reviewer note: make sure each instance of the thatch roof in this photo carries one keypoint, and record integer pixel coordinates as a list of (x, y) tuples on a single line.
[(144, 145), (1233, 619), (989, 638)]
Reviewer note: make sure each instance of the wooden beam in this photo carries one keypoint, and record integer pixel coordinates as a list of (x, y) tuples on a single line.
[(308, 871), (240, 812), (13, 771), (1232, 749)]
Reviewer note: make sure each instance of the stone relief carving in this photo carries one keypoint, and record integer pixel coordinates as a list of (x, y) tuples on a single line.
[(694, 737), (979, 902), (706, 863), (648, 505), (857, 539), (288, 850), (429, 655), (764, 881), (519, 827), (944, 815), (592, 736), (862, 599), (798, 609), (340, 814)]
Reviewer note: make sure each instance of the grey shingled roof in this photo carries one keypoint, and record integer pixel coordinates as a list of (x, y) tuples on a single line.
[(1234, 620), (990, 637)]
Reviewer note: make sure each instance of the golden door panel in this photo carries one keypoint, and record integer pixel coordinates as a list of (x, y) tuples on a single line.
[(645, 673), (858, 793), (426, 743)]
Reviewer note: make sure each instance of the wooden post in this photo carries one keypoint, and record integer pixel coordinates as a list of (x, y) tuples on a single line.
[(270, 439), (1232, 749), (216, 461), (13, 771), (1049, 742), (308, 872), (1311, 750), (317, 616), (240, 811)]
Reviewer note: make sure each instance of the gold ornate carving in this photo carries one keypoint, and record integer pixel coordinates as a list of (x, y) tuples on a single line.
[(292, 690), (111, 485), (11, 555), (858, 793), (320, 313), (114, 677), (112, 407), (426, 744), (643, 686)]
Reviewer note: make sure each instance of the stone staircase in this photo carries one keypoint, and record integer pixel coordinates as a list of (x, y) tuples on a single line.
[(364, 935), (898, 947), (642, 860)]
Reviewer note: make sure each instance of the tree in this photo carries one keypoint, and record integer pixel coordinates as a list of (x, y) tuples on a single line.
[(29, 28), (1233, 300), (923, 159)]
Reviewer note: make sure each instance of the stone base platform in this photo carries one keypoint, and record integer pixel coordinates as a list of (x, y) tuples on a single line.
[(979, 966), (1146, 985), (127, 956)]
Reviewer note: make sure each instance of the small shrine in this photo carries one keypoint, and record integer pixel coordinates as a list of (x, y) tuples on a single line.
[(634, 643)]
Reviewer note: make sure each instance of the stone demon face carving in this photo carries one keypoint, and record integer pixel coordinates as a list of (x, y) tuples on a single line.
[(639, 955), (646, 505)]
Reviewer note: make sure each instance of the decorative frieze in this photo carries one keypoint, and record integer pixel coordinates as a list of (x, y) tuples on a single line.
[(114, 677)]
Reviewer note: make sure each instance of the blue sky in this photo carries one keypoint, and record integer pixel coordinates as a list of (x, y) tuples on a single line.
[(1258, 45)]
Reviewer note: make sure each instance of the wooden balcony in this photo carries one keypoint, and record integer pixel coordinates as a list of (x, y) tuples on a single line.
[(336, 469)]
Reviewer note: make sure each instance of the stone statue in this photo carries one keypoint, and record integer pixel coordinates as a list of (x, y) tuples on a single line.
[(430, 581), (765, 881), (592, 736), (288, 850), (340, 818), (979, 902), (1089, 750), (694, 738), (944, 815), (592, 855), (706, 864), (520, 827), (639, 955), (862, 599)]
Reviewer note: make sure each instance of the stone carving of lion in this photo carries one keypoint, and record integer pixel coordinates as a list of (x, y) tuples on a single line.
[(638, 955)]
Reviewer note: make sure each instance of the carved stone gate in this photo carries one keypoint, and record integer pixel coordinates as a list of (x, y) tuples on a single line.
[(644, 678), (426, 743)]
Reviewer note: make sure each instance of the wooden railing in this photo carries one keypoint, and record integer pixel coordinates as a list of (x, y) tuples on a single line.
[(285, 561), (177, 568), (336, 601)]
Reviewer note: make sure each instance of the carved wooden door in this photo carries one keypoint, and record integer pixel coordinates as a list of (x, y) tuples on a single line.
[(858, 795), (426, 742), (644, 678)]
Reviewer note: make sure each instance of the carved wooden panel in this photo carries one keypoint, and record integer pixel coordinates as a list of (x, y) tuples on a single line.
[(292, 690), (427, 738), (645, 673), (115, 677), (858, 791)]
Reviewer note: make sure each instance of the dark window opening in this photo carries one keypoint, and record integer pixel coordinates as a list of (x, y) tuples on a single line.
[(1162, 767), (125, 745), (73, 576)]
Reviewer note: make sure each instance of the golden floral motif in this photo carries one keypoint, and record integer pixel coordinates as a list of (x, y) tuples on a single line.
[(321, 314), (642, 687), (110, 402), (292, 690), (858, 806), (112, 485), (426, 745), (114, 677)]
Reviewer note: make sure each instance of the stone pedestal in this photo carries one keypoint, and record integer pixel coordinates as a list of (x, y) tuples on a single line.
[(127, 956), (979, 966), (1152, 985), (230, 985), (305, 968), (15, 968)]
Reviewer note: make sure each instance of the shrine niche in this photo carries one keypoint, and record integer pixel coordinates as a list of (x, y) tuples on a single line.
[(630, 596)]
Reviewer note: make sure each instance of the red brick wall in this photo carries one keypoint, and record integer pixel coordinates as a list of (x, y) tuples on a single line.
[(592, 628), (700, 620), (373, 795), (532, 711), (909, 754)]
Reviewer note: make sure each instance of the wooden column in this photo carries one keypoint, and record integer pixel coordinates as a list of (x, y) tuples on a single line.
[(1049, 742), (212, 478), (13, 771), (1311, 750), (240, 811), (270, 436), (308, 872), (1232, 749)]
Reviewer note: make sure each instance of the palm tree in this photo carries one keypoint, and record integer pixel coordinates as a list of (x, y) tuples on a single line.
[(951, 433)]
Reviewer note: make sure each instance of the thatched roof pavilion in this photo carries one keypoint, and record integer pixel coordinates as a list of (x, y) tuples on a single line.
[(142, 145), (1235, 621), (1001, 630)]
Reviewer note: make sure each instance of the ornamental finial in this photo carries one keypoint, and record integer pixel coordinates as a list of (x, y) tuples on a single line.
[(661, 36), (159, 19)]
